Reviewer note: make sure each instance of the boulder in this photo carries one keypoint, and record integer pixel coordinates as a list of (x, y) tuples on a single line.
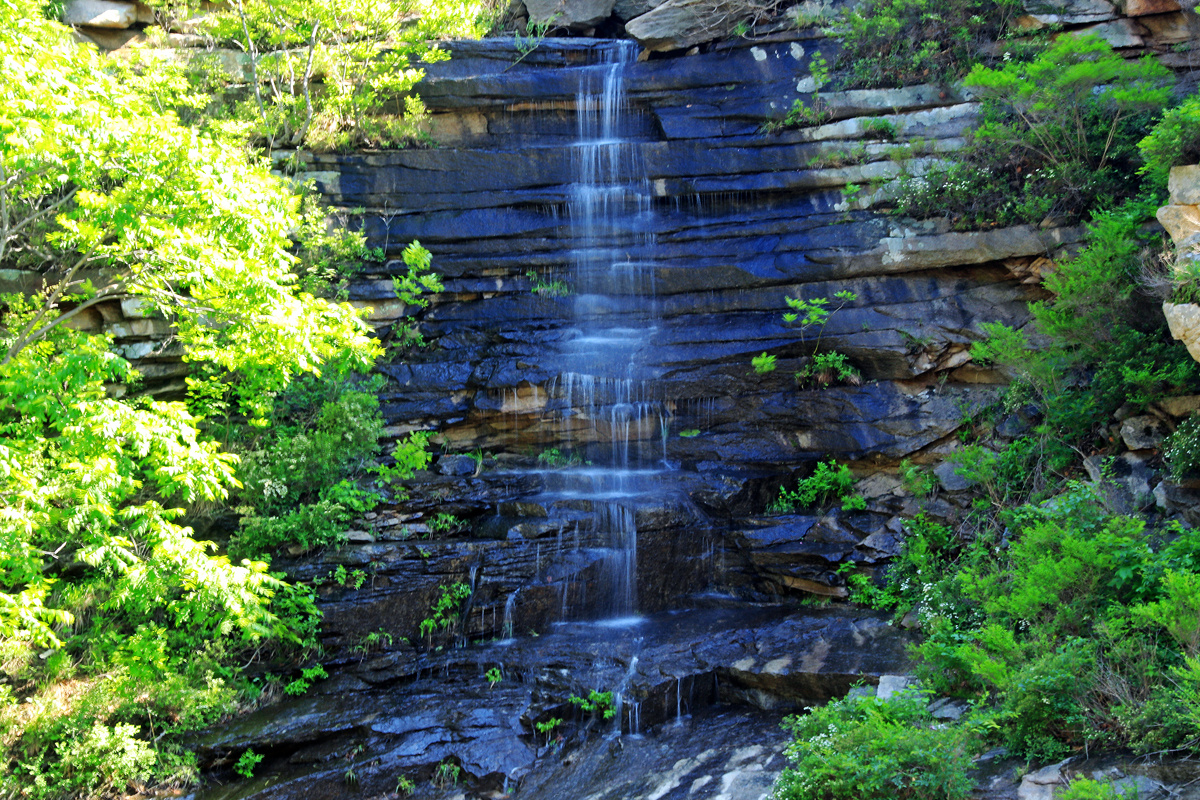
[(100, 13), (457, 465), (1143, 432), (950, 480), (574, 14), (630, 9), (1119, 33), (1184, 185), (1181, 221), (674, 25), (1040, 785), (1071, 12), (1180, 406), (1183, 320), (1138, 8)]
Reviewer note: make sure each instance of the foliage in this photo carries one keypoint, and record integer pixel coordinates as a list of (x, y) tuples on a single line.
[(544, 288), (1181, 450), (596, 702), (822, 369), (443, 523), (1099, 349), (1088, 789), (246, 763), (300, 476), (327, 75), (902, 42), (147, 631), (825, 369), (919, 482), (556, 459), (304, 682), (802, 114), (861, 747), (1058, 136), (493, 676), (830, 481), (546, 727), (446, 774), (1173, 141), (1062, 628), (444, 614), (763, 363), (134, 206)]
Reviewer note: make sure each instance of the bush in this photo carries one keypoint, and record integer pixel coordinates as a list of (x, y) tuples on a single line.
[(830, 481), (1174, 140), (1181, 450), (1043, 704), (902, 42), (1058, 137), (861, 748)]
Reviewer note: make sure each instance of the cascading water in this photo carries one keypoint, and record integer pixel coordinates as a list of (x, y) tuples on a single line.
[(606, 395)]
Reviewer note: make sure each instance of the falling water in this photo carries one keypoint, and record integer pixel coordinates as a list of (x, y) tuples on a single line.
[(615, 313)]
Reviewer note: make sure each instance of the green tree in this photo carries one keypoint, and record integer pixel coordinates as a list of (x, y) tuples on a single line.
[(333, 74), (106, 197)]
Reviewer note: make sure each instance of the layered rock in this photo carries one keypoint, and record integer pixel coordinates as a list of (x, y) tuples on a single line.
[(741, 220), (1181, 218)]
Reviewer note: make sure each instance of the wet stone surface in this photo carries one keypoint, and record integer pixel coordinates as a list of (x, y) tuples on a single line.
[(697, 699)]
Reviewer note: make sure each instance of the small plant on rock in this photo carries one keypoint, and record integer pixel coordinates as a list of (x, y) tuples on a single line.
[(763, 363), (444, 614), (596, 702), (546, 727), (246, 763), (823, 369), (307, 676), (829, 481), (446, 774)]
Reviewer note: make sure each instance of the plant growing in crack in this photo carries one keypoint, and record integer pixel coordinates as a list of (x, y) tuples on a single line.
[(822, 369)]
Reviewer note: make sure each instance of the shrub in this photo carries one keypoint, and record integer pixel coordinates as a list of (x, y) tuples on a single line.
[(862, 748), (830, 481), (902, 42), (1043, 704), (1058, 136), (1173, 141), (1182, 448)]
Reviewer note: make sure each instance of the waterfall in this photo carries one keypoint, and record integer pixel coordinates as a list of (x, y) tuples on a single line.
[(614, 314)]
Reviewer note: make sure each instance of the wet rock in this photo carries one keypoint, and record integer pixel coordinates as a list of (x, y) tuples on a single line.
[(947, 709), (1126, 480), (457, 465), (878, 485)]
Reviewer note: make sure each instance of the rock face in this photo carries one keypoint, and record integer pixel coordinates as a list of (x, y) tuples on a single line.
[(739, 220), (1182, 220), (394, 714)]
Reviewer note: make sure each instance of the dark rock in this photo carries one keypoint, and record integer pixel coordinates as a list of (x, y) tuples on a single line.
[(457, 465)]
